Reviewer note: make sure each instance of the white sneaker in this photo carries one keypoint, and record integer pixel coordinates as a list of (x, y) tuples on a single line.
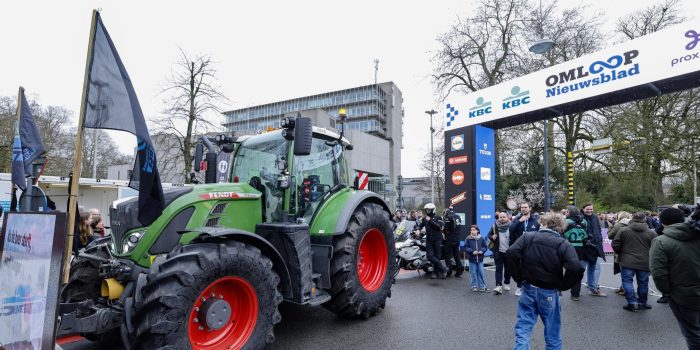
[(518, 292), (506, 287), (498, 290)]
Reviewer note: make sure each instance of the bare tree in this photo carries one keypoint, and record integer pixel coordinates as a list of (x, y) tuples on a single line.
[(193, 97), (478, 51)]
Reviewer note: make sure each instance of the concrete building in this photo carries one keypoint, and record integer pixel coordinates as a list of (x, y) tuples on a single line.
[(415, 192), (374, 124)]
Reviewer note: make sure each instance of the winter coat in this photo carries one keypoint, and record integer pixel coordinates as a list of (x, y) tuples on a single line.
[(594, 250), (451, 228), (618, 226), (633, 244), (433, 227), (517, 228), (474, 244), (545, 260), (675, 264)]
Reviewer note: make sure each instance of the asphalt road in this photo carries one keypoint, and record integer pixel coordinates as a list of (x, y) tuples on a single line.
[(445, 314)]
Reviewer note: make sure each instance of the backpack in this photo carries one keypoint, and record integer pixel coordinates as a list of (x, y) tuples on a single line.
[(576, 234)]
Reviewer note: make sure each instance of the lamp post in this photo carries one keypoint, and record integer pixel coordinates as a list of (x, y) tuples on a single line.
[(432, 157)]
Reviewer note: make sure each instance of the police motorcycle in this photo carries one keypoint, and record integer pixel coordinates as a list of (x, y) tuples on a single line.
[(410, 249)]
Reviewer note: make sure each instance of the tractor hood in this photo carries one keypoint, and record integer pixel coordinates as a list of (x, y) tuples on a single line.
[(124, 214)]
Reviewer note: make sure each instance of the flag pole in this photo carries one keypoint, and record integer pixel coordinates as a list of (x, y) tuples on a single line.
[(14, 203), (77, 155)]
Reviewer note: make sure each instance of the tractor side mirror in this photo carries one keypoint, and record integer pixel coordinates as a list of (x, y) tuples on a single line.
[(302, 136), (198, 153)]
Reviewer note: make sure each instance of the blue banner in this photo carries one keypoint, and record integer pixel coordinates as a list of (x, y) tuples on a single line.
[(485, 177)]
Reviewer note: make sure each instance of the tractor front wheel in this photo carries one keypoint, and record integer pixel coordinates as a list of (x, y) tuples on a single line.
[(363, 265), (209, 296)]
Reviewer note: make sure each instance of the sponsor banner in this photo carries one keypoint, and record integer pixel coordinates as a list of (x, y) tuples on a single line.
[(31, 247), (457, 142), (457, 177), (458, 198), (457, 160), (658, 56), (484, 160)]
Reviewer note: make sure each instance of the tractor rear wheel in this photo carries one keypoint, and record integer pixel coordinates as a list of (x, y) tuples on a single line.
[(209, 296), (363, 265)]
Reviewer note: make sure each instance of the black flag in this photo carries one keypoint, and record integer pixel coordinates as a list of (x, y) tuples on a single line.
[(27, 144), (112, 104)]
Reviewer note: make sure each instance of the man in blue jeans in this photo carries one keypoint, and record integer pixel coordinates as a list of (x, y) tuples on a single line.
[(632, 244), (526, 221), (593, 250), (545, 263)]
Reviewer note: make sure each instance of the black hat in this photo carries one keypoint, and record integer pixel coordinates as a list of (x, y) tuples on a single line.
[(671, 216)]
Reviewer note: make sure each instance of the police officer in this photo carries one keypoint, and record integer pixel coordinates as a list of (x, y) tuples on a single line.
[(433, 225), (454, 263)]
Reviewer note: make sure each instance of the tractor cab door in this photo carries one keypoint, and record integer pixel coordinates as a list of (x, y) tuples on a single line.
[(258, 162), (315, 175)]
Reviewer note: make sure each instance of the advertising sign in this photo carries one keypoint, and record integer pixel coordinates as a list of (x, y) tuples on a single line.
[(652, 58), (30, 267), (459, 181), (484, 159)]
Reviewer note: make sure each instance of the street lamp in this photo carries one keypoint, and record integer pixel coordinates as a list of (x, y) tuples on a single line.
[(432, 157)]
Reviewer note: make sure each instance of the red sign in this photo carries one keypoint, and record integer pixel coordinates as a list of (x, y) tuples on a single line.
[(457, 160), (457, 177), (363, 180), (458, 198)]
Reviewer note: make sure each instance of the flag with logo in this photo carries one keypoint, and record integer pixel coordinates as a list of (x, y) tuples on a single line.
[(112, 104), (27, 145)]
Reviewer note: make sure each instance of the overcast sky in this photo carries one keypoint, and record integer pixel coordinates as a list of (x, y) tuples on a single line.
[(265, 50)]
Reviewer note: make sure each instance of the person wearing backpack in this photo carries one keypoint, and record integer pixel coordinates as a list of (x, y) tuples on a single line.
[(577, 234)]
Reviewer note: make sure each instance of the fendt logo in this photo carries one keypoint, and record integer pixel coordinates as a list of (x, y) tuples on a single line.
[(452, 112), (517, 99), (482, 107)]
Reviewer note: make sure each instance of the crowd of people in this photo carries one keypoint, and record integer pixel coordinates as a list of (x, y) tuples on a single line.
[(549, 253), (89, 228)]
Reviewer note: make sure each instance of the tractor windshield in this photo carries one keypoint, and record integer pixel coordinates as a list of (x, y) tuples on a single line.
[(260, 159), (317, 173)]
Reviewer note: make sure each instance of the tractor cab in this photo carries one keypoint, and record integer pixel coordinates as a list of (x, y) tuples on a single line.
[(292, 185)]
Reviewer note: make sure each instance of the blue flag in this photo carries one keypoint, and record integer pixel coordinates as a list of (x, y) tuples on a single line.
[(112, 104), (27, 144), (18, 178)]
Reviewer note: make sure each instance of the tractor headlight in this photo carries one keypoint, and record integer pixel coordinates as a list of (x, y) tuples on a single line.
[(131, 241)]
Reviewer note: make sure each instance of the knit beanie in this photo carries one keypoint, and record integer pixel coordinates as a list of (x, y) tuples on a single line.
[(671, 216)]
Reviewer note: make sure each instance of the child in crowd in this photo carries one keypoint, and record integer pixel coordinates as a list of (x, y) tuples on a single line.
[(476, 247)]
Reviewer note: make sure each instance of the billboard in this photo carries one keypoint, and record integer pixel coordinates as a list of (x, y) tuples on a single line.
[(485, 178), (655, 57), (30, 265)]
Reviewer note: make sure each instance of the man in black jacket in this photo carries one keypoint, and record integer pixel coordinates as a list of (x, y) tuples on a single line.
[(593, 250), (433, 225), (545, 264), (526, 221), (454, 263)]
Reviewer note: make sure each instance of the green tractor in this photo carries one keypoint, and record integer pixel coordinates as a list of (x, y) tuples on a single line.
[(210, 272)]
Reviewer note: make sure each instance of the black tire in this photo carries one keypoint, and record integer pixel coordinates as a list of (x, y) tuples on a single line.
[(349, 297), (173, 287), (84, 281), (398, 267)]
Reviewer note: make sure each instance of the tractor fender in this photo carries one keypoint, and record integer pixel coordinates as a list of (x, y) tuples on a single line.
[(354, 201), (212, 234)]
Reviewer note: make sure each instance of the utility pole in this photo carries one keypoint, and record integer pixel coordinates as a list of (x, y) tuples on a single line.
[(432, 157), (546, 169)]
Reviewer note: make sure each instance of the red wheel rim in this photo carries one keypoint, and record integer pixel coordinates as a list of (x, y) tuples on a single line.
[(243, 301), (372, 260)]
